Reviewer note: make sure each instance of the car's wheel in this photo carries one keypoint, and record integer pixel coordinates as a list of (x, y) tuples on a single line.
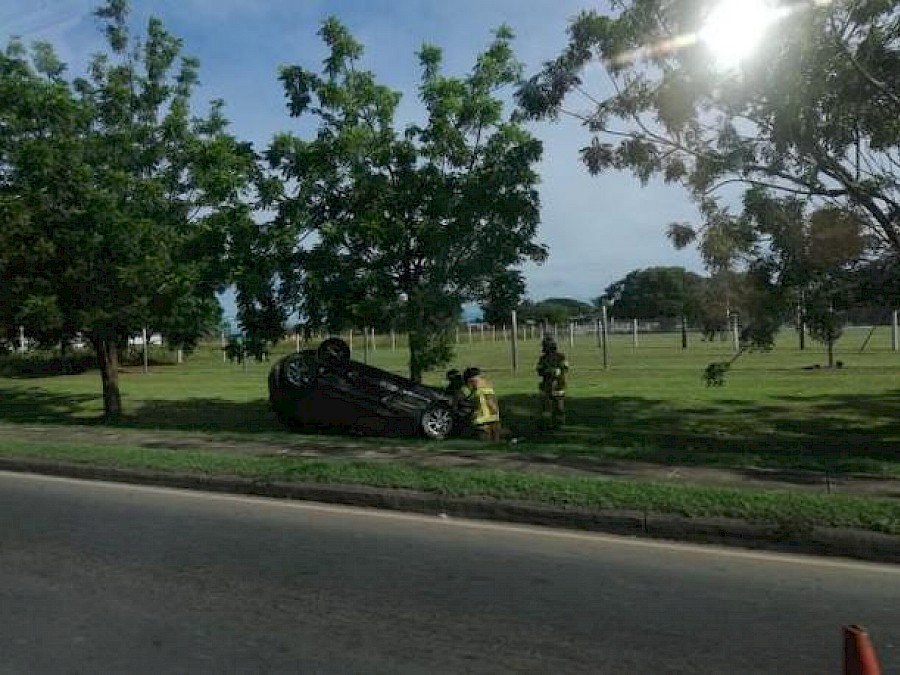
[(300, 371), (334, 350), (437, 422)]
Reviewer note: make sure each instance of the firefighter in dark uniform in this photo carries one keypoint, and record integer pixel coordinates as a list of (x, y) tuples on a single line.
[(461, 401), (552, 368)]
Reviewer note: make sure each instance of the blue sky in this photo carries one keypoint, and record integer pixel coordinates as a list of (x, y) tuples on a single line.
[(598, 228)]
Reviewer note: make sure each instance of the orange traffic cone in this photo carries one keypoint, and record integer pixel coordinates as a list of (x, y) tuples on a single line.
[(859, 654)]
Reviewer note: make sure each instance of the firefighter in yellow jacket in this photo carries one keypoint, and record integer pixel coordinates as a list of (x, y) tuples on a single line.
[(486, 415), (552, 368)]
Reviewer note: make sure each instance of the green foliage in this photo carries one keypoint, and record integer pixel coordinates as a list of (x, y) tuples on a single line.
[(655, 293), (808, 262), (553, 311), (115, 200), (809, 123), (792, 511), (504, 294), (408, 224), (43, 364), (814, 113)]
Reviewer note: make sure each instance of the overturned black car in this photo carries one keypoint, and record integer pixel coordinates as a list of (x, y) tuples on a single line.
[(324, 388)]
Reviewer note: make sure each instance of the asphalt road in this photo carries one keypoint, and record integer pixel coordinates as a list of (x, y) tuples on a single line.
[(100, 577)]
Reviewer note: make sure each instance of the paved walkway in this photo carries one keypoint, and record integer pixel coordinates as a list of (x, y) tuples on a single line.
[(345, 448)]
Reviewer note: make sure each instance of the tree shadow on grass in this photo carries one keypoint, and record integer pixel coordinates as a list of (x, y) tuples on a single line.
[(211, 415), (842, 433), (850, 432), (37, 406)]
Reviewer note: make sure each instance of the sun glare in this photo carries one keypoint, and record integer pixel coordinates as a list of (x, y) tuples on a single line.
[(734, 28)]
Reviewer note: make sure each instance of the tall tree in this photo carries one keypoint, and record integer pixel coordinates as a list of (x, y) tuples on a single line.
[(654, 293), (504, 294), (553, 311), (413, 222), (808, 261), (813, 114), (126, 198)]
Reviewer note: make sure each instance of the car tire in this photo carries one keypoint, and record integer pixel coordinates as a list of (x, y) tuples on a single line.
[(299, 371), (334, 350), (437, 422)]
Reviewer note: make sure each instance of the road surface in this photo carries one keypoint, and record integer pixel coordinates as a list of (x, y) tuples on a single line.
[(100, 577)]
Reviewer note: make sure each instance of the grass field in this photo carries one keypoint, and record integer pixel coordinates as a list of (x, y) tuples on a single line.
[(650, 404), (792, 511)]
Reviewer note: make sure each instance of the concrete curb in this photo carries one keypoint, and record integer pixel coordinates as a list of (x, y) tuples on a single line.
[(859, 544)]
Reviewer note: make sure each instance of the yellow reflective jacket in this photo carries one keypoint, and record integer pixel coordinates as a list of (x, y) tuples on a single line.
[(486, 408)]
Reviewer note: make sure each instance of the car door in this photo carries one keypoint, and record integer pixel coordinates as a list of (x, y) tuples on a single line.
[(352, 393)]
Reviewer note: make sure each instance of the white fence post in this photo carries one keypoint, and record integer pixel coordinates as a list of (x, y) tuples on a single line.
[(515, 344), (22, 339), (634, 333), (605, 338), (146, 351), (735, 332)]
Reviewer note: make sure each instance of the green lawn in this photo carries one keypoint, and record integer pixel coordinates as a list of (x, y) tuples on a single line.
[(651, 404), (793, 511)]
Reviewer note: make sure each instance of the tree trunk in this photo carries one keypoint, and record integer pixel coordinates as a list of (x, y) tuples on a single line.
[(415, 322), (684, 332), (108, 360), (64, 356), (416, 340), (831, 353), (801, 320)]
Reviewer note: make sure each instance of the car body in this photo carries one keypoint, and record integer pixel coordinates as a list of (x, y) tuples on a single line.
[(324, 387)]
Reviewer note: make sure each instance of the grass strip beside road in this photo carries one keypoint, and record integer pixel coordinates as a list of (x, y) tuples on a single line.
[(795, 511)]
